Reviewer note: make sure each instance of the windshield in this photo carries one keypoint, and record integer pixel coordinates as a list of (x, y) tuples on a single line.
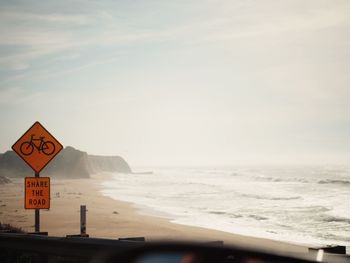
[(197, 120)]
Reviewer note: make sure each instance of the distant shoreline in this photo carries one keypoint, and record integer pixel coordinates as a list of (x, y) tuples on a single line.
[(147, 172)]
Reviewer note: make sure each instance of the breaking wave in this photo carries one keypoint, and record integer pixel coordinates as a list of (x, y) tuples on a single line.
[(338, 182), (292, 204)]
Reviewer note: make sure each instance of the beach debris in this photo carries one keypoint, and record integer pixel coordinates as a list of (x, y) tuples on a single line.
[(115, 212), (74, 193)]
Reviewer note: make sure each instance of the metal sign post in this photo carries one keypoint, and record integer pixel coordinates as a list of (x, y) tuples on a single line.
[(83, 220)]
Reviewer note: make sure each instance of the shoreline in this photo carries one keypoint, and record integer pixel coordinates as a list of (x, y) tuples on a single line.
[(122, 218)]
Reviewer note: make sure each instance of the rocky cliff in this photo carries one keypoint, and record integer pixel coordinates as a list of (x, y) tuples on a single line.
[(69, 163)]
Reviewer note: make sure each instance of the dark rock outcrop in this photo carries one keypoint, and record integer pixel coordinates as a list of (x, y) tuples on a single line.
[(69, 163), (4, 180), (11, 165)]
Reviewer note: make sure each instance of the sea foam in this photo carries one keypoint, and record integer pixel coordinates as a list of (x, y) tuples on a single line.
[(296, 204)]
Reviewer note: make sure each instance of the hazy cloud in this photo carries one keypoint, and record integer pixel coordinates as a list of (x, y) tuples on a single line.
[(218, 80)]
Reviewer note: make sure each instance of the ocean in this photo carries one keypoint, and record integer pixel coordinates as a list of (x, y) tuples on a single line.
[(306, 205)]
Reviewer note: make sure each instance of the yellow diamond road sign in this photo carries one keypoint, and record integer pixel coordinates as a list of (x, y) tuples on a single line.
[(37, 147)]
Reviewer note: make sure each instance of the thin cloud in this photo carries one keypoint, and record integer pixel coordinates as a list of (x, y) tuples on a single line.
[(18, 96)]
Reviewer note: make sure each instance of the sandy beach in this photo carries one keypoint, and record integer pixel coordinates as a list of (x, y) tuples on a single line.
[(107, 217)]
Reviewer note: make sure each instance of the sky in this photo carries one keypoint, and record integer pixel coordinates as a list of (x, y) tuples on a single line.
[(181, 82)]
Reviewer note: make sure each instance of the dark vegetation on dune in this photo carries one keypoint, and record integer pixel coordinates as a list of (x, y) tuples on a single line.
[(69, 163), (8, 228)]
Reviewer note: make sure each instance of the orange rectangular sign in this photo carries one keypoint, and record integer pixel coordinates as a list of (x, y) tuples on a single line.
[(37, 193)]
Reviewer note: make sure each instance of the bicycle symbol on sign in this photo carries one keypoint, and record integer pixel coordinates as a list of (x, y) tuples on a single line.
[(47, 147)]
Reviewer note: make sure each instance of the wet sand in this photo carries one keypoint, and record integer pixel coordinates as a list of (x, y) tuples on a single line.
[(107, 217)]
